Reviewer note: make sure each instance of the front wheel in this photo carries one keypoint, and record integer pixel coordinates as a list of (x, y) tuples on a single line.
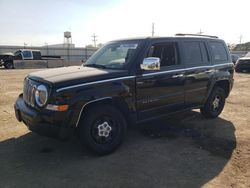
[(214, 104), (9, 65), (102, 129)]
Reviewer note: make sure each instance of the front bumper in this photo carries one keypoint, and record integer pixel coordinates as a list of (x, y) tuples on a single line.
[(43, 122)]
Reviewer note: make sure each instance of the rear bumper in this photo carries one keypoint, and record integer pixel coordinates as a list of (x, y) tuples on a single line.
[(43, 123)]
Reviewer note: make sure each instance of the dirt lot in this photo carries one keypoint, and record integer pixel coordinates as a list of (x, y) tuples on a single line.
[(182, 151)]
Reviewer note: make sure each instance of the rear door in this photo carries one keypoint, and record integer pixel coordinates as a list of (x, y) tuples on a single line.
[(198, 71), (162, 91)]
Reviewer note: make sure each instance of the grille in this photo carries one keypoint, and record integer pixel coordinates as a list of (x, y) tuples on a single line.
[(29, 90)]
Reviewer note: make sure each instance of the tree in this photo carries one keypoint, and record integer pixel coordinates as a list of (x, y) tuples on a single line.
[(99, 45), (89, 46)]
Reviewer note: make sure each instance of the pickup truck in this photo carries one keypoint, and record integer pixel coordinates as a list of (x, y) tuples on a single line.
[(125, 82), (7, 59)]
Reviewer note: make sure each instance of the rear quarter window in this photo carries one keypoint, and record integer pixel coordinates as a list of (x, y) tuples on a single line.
[(195, 53), (219, 52)]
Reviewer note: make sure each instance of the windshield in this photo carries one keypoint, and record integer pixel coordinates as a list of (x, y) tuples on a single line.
[(113, 56)]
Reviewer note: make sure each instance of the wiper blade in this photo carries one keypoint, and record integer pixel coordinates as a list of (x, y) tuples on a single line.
[(96, 66)]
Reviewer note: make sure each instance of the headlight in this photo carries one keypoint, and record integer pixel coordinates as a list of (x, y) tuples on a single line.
[(41, 95)]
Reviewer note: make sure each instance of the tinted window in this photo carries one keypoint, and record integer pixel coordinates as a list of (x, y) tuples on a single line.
[(27, 54), (219, 51), (193, 54), (167, 52), (36, 55), (205, 56)]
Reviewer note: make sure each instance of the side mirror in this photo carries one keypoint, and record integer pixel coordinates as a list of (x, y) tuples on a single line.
[(151, 63)]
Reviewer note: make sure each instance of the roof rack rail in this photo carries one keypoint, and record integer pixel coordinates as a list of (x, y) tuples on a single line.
[(198, 35)]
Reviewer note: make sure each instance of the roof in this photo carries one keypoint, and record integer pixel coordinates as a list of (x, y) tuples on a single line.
[(179, 35)]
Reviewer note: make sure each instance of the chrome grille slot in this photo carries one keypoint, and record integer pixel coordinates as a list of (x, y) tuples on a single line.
[(29, 90)]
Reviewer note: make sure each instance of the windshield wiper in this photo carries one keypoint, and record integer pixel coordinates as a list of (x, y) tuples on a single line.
[(96, 66)]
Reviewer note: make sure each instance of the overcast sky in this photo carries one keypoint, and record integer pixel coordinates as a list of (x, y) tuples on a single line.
[(38, 21)]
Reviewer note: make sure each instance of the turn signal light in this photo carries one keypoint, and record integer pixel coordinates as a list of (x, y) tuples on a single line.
[(60, 108)]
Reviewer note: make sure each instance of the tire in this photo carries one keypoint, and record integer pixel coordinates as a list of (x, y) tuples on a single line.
[(102, 129), (9, 65), (214, 104)]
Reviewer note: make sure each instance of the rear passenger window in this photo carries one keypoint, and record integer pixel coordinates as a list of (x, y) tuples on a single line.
[(167, 52), (219, 51), (195, 52)]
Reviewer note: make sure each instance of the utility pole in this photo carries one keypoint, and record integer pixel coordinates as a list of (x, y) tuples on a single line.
[(241, 38), (153, 29), (47, 47), (200, 32), (94, 39)]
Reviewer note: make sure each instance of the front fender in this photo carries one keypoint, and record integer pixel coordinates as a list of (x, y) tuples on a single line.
[(120, 92)]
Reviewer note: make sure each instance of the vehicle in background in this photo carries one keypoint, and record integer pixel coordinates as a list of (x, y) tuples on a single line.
[(243, 63), (7, 59), (234, 58)]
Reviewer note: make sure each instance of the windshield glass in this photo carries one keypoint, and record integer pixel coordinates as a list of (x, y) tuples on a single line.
[(113, 56)]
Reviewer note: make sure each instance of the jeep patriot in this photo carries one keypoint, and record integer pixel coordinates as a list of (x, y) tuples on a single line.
[(127, 81)]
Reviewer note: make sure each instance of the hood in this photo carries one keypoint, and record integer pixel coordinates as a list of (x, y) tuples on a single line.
[(66, 76), (8, 54)]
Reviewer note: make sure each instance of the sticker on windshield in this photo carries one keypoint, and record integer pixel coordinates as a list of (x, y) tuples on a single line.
[(128, 46)]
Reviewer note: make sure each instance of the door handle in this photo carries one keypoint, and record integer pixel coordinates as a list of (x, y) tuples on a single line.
[(177, 75)]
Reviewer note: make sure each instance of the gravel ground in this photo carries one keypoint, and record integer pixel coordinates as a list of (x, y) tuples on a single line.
[(185, 150)]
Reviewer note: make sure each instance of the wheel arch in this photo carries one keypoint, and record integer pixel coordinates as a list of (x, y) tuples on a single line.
[(224, 84), (118, 103)]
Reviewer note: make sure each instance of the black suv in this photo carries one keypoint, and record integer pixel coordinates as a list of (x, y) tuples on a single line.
[(127, 81)]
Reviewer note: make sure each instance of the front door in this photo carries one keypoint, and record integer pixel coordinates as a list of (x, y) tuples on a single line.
[(160, 92)]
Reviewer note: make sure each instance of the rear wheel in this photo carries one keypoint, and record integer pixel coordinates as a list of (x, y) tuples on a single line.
[(214, 104), (102, 129)]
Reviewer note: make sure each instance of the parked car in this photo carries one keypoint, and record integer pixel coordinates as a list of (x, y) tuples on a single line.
[(243, 64), (234, 58), (133, 80)]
